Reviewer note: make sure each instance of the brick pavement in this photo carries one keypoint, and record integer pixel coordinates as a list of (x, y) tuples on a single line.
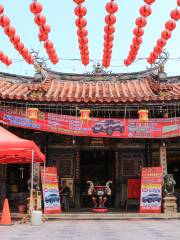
[(94, 230)]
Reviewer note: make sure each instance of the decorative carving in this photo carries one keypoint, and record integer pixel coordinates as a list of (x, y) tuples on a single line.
[(169, 184), (99, 70), (91, 188), (161, 89), (108, 189)]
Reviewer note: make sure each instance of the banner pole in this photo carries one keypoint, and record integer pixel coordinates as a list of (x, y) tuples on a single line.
[(32, 182)]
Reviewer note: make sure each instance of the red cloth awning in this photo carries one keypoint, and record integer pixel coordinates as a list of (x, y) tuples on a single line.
[(14, 149)]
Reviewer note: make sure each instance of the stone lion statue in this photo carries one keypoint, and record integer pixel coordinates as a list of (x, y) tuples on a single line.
[(169, 184)]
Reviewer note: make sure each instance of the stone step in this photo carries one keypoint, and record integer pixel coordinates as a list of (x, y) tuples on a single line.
[(104, 216)]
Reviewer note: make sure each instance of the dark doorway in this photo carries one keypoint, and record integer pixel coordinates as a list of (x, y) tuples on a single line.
[(96, 166)]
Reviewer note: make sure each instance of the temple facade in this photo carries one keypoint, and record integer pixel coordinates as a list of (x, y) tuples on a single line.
[(99, 156)]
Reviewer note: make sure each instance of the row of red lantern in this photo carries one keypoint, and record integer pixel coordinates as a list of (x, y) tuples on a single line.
[(110, 20), (81, 23), (145, 11), (44, 29), (5, 59), (170, 25), (10, 31)]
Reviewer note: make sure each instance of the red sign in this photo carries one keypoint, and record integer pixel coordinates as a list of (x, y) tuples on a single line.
[(95, 127), (50, 190), (151, 190)]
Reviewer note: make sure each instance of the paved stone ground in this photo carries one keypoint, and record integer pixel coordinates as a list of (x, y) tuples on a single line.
[(94, 230)]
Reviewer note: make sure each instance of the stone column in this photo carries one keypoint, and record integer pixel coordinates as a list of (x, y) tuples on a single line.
[(163, 158), (77, 179), (117, 180)]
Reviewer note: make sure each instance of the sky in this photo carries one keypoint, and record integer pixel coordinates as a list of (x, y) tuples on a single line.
[(60, 16)]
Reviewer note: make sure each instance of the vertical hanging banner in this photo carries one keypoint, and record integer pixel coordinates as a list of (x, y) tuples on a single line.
[(151, 190), (50, 190)]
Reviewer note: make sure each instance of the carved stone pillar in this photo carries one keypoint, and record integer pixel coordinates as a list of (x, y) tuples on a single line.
[(77, 179), (163, 158), (117, 180)]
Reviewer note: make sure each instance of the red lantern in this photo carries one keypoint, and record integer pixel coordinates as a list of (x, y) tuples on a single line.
[(51, 51), (110, 19), (36, 7), (154, 55), (175, 14), (149, 1), (166, 34), (108, 37), (83, 40), (178, 3), (145, 11), (48, 45), (45, 28), (9, 62), (143, 115), (1, 9), (82, 32), (158, 49), (4, 21), (81, 22), (15, 39), (141, 22), (137, 40), (161, 42), (10, 31), (150, 60), (138, 32), (79, 1), (1, 54), (126, 62), (109, 29), (32, 113), (40, 19), (107, 51), (20, 46), (24, 52), (42, 37), (108, 45), (55, 61), (80, 11), (134, 47), (83, 47), (170, 25), (4, 58), (111, 7)]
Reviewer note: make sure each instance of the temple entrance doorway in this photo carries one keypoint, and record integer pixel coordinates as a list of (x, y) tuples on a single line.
[(98, 167)]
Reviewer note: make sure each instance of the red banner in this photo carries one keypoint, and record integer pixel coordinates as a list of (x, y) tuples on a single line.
[(95, 127), (151, 190), (50, 190)]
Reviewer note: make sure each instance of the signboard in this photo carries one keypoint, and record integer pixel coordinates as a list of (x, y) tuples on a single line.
[(95, 127), (151, 190), (50, 190)]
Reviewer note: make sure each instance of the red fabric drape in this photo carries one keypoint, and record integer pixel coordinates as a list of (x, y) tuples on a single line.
[(14, 149)]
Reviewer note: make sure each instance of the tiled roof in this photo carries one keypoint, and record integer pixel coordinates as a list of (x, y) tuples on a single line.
[(55, 89)]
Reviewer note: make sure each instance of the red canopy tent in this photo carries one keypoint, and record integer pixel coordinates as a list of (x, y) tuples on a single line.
[(14, 149)]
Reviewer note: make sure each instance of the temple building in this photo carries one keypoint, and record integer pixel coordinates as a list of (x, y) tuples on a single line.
[(115, 139)]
